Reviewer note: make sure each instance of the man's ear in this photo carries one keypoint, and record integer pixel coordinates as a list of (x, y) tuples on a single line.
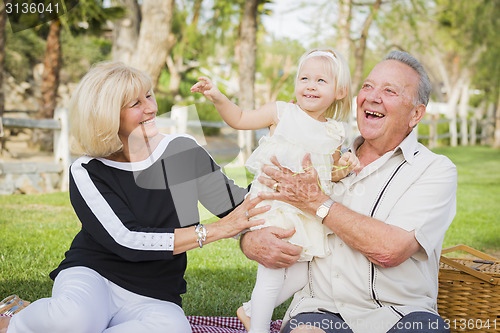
[(417, 115)]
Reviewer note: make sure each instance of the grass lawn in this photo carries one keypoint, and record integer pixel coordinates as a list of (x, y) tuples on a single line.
[(36, 230)]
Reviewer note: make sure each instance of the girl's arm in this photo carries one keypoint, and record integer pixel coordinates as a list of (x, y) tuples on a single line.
[(265, 116)]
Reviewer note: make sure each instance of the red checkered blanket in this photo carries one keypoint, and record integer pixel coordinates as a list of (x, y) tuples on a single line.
[(222, 325)]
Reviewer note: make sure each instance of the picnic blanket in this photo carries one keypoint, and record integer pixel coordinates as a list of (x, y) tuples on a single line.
[(221, 325)]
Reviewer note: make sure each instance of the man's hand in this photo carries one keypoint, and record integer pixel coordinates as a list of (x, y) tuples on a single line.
[(267, 247), (301, 190)]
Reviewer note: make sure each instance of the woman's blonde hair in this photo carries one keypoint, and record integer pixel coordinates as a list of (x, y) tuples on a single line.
[(94, 110), (338, 67)]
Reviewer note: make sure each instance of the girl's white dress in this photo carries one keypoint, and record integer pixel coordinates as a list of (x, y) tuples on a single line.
[(295, 135)]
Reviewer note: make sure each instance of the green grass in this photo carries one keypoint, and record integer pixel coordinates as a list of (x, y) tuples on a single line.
[(36, 230), (477, 222)]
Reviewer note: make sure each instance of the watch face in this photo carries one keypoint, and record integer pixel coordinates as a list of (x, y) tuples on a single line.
[(322, 212)]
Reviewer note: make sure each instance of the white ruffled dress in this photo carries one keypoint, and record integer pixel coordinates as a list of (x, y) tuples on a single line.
[(295, 135)]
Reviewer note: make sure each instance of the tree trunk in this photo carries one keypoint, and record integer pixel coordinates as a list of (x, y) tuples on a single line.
[(453, 99), (152, 47), (247, 60), (489, 126), (52, 63), (475, 121), (463, 111), (496, 142), (344, 28), (359, 52), (3, 19), (126, 31)]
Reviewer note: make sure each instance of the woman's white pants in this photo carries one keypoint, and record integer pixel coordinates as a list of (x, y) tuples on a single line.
[(84, 302)]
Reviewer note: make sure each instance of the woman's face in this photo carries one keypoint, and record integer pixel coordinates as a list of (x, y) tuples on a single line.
[(138, 118)]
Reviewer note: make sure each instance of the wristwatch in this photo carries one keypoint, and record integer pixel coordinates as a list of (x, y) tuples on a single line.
[(323, 210)]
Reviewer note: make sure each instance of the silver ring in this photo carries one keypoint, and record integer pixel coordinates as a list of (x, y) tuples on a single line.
[(275, 187), (246, 214)]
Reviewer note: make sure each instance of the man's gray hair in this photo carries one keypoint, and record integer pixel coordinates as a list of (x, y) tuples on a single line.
[(424, 85)]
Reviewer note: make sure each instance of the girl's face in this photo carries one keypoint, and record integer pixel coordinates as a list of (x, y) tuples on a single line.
[(315, 87), (138, 118)]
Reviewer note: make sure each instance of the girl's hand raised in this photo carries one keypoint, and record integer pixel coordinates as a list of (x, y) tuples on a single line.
[(206, 87)]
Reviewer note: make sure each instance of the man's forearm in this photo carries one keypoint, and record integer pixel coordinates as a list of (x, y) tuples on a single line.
[(383, 244)]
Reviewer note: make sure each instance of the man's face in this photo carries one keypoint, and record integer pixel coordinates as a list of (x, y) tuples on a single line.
[(385, 105)]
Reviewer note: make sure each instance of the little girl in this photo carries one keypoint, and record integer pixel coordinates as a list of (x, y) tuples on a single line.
[(322, 92)]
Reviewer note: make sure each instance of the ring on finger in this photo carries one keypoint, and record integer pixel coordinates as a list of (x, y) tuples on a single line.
[(275, 187), (246, 214)]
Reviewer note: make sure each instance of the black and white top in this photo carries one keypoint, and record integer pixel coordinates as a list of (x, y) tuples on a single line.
[(129, 212)]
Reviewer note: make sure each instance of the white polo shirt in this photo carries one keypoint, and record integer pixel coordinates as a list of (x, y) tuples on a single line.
[(412, 188)]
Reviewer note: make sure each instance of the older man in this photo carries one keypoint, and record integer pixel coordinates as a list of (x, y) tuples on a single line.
[(388, 220)]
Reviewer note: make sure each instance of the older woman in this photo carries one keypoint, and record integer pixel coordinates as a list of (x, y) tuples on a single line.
[(135, 192)]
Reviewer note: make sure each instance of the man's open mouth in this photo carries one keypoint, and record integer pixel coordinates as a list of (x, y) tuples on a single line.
[(373, 114)]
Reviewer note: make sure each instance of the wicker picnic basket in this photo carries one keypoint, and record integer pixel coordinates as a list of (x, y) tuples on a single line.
[(469, 291)]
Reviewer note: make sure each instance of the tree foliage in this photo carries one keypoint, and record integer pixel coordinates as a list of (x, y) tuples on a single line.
[(473, 27)]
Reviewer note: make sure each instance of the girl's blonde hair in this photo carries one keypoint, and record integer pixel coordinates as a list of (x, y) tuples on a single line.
[(94, 110), (339, 69)]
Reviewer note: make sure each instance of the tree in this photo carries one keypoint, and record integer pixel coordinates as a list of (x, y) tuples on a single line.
[(95, 16), (360, 49), (126, 31), (247, 58), (186, 44), (472, 29), (152, 46), (51, 68), (3, 19), (344, 42)]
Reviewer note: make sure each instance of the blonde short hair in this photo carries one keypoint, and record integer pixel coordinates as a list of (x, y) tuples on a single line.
[(94, 110), (339, 69)]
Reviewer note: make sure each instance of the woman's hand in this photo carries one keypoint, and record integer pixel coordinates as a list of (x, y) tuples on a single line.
[(240, 218), (301, 190), (228, 226)]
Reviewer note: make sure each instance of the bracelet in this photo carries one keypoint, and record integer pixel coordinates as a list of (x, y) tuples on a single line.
[(201, 234)]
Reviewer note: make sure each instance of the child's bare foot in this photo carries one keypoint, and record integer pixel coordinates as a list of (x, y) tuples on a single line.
[(4, 323), (242, 316)]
